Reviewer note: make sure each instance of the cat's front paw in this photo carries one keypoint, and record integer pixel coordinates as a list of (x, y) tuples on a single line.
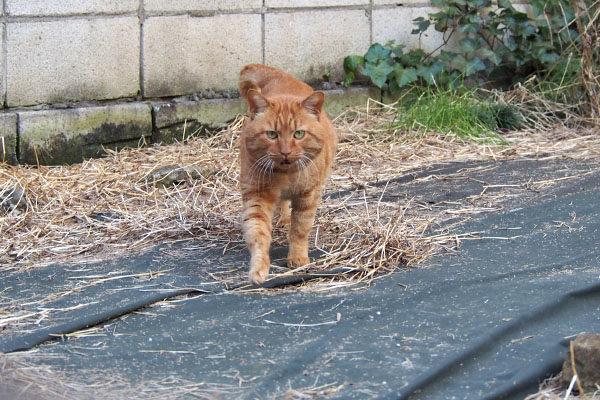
[(297, 261), (258, 275)]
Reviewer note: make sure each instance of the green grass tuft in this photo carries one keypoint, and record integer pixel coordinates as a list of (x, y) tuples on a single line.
[(455, 112)]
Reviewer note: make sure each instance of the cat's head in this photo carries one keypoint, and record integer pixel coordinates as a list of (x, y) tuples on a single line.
[(285, 132)]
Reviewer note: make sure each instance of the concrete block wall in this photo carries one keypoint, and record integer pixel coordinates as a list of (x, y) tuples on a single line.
[(64, 55)]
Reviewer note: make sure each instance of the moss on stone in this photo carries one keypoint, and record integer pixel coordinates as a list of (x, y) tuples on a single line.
[(72, 135)]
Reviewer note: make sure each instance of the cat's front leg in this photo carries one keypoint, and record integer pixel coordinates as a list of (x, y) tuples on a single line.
[(256, 225), (303, 215)]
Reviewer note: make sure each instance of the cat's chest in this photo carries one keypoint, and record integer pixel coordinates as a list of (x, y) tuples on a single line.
[(295, 184)]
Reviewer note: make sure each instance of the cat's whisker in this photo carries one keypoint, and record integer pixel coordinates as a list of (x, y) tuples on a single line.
[(262, 177), (301, 168), (310, 163), (262, 169)]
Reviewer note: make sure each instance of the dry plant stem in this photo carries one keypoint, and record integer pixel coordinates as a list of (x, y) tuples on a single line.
[(105, 205), (590, 64), (575, 375)]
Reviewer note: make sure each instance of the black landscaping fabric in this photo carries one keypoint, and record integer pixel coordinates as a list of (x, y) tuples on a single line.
[(492, 321)]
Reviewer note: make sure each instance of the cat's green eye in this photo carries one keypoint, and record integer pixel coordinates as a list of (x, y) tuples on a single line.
[(299, 134), (272, 134)]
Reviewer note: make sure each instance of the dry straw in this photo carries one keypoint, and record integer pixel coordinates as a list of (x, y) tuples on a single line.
[(24, 380), (107, 206)]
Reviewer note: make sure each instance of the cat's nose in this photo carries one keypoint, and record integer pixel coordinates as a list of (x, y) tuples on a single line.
[(286, 154)]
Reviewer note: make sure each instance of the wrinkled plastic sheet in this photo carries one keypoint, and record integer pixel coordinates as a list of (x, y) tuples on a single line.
[(490, 322)]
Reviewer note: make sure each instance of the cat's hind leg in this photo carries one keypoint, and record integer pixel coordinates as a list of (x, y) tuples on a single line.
[(284, 213)]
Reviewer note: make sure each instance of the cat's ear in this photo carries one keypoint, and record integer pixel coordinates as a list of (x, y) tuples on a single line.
[(314, 103), (257, 103)]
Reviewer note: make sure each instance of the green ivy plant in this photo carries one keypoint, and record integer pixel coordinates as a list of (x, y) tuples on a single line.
[(494, 42)]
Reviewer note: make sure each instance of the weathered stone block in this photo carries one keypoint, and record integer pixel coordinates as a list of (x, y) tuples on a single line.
[(337, 101), (313, 3), (72, 135), (396, 24), (2, 67), (586, 352), (183, 54), (389, 2), (69, 7), (181, 120), (8, 138), (72, 60), (309, 44), (195, 5)]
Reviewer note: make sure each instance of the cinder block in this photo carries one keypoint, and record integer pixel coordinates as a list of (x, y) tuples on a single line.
[(310, 44), (184, 54), (314, 3), (72, 60), (181, 120), (392, 2), (8, 138), (69, 7), (396, 24), (2, 66), (72, 135), (339, 100), (401, 4), (199, 6)]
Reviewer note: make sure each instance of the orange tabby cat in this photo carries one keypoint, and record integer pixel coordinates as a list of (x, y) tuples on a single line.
[(286, 150)]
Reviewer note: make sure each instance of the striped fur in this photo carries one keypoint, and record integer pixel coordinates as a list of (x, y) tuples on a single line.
[(283, 173)]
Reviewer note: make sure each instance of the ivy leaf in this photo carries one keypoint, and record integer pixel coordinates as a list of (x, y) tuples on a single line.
[(473, 66), (422, 25), (470, 24), (352, 62), (494, 29), (468, 28), (505, 4), (548, 58), (452, 12), (393, 86), (468, 45), (378, 72), (405, 76), (378, 53), (430, 73), (446, 57), (524, 29), (397, 49), (479, 3), (491, 55), (348, 79), (511, 44), (459, 63), (412, 58), (441, 21)]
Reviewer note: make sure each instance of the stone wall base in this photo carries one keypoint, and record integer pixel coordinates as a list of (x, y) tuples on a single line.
[(71, 135)]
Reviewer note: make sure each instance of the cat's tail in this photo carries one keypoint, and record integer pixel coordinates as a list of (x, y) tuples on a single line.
[(249, 80), (252, 77), (257, 76)]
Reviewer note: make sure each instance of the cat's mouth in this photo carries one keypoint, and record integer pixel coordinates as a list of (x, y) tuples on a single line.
[(286, 164)]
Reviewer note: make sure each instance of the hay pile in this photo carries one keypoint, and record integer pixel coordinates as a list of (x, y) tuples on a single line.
[(109, 205)]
